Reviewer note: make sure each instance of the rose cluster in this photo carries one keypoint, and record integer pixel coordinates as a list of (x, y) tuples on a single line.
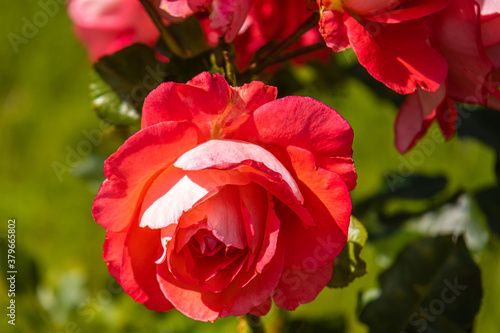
[(437, 51), (227, 199)]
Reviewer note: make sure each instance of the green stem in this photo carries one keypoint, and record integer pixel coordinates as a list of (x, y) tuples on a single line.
[(298, 52), (271, 57), (166, 35), (228, 55)]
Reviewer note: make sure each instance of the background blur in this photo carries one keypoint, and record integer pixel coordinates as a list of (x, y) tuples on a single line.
[(51, 167)]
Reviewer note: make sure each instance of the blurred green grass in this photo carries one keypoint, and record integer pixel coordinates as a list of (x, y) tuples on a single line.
[(63, 283)]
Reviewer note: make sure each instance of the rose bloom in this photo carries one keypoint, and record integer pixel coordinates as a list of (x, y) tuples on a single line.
[(227, 199), (275, 20), (390, 39), (473, 62), (107, 26), (226, 16)]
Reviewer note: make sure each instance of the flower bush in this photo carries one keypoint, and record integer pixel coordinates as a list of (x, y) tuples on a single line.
[(226, 199)]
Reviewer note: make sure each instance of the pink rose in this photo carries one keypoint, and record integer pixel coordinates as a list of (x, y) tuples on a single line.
[(106, 26), (473, 61), (227, 199), (226, 16), (389, 38)]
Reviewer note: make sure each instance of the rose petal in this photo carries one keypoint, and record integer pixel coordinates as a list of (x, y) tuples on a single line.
[(306, 123), (415, 116), (176, 191), (409, 10), (489, 7), (227, 17), (223, 215), (131, 260), (127, 175), (108, 26), (397, 55), (208, 306), (490, 26), (333, 30), (469, 66), (226, 153), (327, 199), (207, 100), (301, 286), (198, 101)]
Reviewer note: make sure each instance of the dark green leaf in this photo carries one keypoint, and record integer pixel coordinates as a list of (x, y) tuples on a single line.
[(454, 218), (108, 104), (189, 35), (417, 187), (336, 324), (132, 73), (184, 69), (433, 286), (349, 265), (481, 124), (489, 202)]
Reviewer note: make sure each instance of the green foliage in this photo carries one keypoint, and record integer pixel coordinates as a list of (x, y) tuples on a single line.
[(349, 265), (108, 104), (433, 286)]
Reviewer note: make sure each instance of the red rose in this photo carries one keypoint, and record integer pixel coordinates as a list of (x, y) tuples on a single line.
[(226, 16), (106, 26), (227, 199), (473, 70), (275, 20), (389, 38)]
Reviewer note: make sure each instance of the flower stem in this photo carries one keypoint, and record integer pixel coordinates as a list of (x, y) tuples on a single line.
[(298, 52), (165, 34), (274, 56)]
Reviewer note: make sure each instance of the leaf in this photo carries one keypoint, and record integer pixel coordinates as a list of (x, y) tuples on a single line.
[(109, 106), (454, 218), (132, 73), (433, 286), (417, 186), (481, 124), (348, 264), (413, 187), (489, 200), (190, 36)]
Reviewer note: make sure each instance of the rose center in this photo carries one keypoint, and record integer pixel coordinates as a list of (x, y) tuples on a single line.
[(203, 242)]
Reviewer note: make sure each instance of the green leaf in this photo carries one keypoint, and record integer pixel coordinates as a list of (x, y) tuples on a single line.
[(109, 106), (132, 73), (433, 286), (189, 35), (349, 265), (488, 200), (454, 218)]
